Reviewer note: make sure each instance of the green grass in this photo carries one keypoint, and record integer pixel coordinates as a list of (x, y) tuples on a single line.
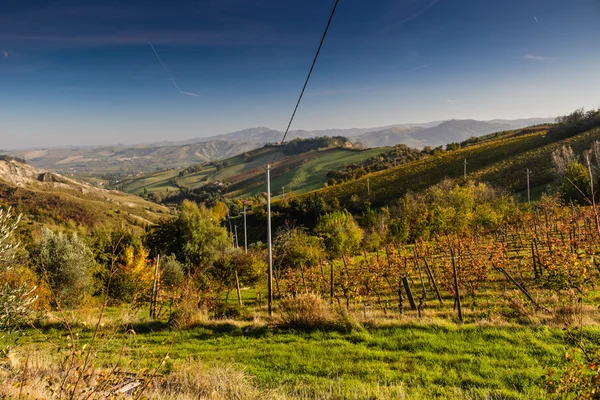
[(434, 359), (156, 182), (312, 175), (422, 360), (300, 173)]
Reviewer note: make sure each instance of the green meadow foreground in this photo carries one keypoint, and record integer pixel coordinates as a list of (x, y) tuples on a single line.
[(383, 359)]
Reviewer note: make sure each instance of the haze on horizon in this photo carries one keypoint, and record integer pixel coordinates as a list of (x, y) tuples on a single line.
[(85, 73)]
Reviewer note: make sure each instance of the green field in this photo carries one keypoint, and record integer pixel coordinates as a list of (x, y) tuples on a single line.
[(312, 174), (300, 173), (398, 359)]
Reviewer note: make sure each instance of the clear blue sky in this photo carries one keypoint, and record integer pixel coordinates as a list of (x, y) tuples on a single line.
[(83, 72)]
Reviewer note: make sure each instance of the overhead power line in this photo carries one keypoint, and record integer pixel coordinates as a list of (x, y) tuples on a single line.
[(268, 168), (308, 76)]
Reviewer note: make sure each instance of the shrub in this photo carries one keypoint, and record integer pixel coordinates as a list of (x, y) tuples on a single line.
[(171, 272), (16, 298), (8, 224), (340, 232), (306, 311), (187, 314), (132, 279), (576, 184), (66, 262), (15, 305)]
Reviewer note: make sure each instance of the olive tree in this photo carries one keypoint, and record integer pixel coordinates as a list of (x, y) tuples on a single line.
[(66, 262), (16, 300)]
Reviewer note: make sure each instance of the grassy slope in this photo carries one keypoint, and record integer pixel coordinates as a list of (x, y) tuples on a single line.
[(51, 205), (313, 174), (510, 172), (301, 172), (501, 161), (159, 181), (418, 360)]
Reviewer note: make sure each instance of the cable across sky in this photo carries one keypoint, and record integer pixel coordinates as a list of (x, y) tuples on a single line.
[(308, 76)]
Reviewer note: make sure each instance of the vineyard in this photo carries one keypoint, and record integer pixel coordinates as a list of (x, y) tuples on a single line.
[(501, 161), (542, 265), (385, 186)]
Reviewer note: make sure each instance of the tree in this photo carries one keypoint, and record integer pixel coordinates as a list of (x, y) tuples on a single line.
[(562, 158), (576, 183), (171, 273), (66, 263), (340, 232), (231, 262), (194, 237), (375, 223), (295, 248), (16, 300), (132, 279), (203, 236)]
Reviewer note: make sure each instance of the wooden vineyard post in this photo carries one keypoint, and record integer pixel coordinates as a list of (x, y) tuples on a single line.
[(521, 288), (424, 293), (430, 274), (400, 299), (331, 281), (456, 290), (154, 297), (409, 295), (535, 268)]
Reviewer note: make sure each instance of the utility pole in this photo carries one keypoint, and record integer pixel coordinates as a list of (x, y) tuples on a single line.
[(230, 229), (270, 253), (237, 246), (528, 191), (283, 190), (368, 186), (465, 172), (245, 234), (154, 298)]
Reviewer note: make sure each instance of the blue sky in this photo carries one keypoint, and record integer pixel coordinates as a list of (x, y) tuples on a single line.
[(82, 72)]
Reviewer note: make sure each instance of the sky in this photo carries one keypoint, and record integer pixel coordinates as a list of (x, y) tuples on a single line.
[(95, 72)]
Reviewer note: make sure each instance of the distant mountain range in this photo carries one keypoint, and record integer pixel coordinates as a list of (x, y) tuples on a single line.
[(136, 159), (433, 133)]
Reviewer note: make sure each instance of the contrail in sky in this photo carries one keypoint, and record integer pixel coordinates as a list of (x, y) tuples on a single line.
[(171, 76), (415, 15), (536, 20)]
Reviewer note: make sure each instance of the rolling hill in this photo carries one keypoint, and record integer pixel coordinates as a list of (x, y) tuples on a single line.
[(499, 159), (129, 160), (134, 160), (243, 174), (54, 200)]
